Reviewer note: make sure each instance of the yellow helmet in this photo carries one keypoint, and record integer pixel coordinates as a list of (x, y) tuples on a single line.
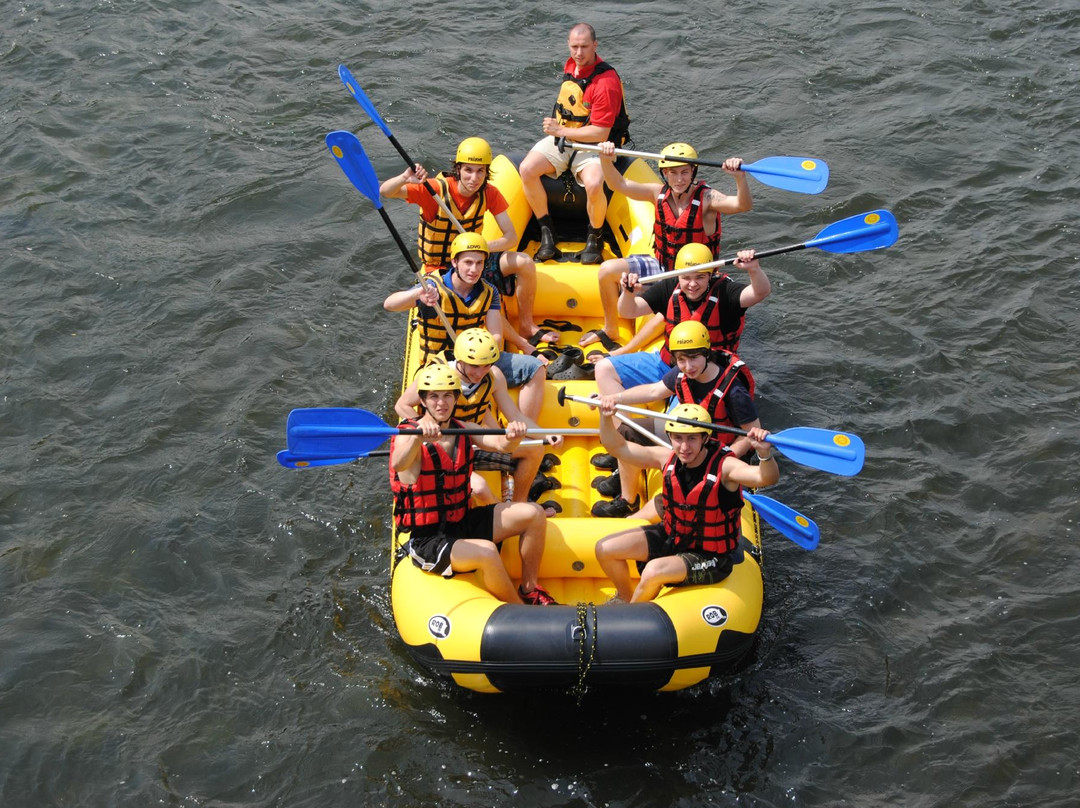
[(476, 346), (692, 255), (437, 377), (468, 242), (689, 335), (673, 150), (694, 412), (475, 151)]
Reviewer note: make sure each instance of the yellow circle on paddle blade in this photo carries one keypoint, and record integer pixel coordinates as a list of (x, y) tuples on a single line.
[(872, 218), (841, 440), (338, 153), (302, 463), (809, 165), (802, 521)]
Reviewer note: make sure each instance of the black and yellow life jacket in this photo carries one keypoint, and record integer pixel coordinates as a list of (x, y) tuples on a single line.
[(571, 110), (434, 237), (462, 315)]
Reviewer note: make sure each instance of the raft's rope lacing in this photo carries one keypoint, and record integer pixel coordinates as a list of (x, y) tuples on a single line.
[(584, 664)]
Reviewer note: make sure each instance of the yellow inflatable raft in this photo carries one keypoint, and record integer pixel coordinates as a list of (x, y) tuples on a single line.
[(455, 629)]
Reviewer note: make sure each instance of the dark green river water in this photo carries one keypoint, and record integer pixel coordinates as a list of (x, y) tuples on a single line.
[(185, 623)]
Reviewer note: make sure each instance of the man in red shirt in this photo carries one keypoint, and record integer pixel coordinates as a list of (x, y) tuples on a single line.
[(467, 194), (589, 109)]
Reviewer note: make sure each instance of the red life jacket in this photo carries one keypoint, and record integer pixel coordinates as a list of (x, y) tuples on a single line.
[(441, 492), (724, 336), (671, 232), (713, 400), (708, 516)]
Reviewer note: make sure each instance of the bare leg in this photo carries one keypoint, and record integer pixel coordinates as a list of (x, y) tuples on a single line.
[(528, 520), (531, 395), (607, 279), (612, 553), (658, 573), (592, 177), (630, 480), (533, 167), (469, 555), (529, 459), (607, 378), (520, 264)]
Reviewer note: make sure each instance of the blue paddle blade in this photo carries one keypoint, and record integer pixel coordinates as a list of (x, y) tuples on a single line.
[(357, 92), (865, 231), (786, 520), (350, 155), (836, 452), (804, 175), (335, 432)]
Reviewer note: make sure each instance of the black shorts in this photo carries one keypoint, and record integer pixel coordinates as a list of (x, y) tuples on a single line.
[(701, 567), (429, 547), (506, 284)]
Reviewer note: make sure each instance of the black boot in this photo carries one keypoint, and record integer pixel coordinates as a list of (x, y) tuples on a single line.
[(547, 250), (593, 252)]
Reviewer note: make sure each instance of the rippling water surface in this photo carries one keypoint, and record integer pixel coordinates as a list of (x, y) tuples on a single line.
[(184, 623)]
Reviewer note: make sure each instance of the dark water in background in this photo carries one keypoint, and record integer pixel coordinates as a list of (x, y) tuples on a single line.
[(183, 622)]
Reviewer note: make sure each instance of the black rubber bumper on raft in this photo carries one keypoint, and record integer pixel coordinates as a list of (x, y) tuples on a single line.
[(620, 645)]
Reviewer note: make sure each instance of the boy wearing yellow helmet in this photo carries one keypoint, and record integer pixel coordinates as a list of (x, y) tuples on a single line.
[(698, 541), (468, 195), (716, 300), (718, 381), (430, 476), (468, 301), (687, 212), (481, 388)]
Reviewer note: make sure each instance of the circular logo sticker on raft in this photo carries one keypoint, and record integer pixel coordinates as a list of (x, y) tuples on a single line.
[(715, 616), (439, 626), (809, 165), (841, 440)]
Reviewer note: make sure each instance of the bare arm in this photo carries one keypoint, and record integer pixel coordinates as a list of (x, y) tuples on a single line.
[(590, 133), (630, 305), (493, 322), (760, 287), (394, 188), (645, 192), (509, 238), (515, 431), (766, 473), (742, 444), (500, 393), (405, 456), (407, 298), (643, 394), (408, 403), (741, 202)]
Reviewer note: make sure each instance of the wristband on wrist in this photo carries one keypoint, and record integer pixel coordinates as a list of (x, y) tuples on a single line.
[(764, 459)]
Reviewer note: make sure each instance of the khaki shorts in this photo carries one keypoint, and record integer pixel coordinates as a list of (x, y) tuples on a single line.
[(561, 160)]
